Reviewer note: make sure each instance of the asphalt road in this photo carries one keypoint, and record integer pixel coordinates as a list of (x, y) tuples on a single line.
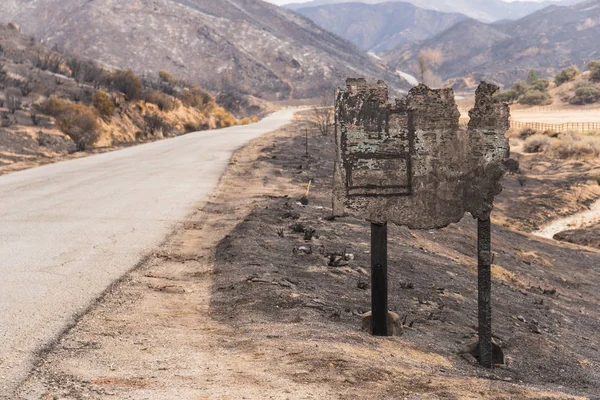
[(69, 230)]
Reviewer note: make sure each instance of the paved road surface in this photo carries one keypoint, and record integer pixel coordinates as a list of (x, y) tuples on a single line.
[(68, 230)]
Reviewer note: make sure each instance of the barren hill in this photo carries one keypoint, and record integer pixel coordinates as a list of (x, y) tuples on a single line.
[(246, 45), (548, 40), (380, 27), (483, 10)]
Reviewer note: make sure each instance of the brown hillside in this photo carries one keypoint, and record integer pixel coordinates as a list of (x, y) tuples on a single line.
[(236, 45)]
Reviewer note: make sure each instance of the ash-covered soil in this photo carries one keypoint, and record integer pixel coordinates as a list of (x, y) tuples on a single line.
[(545, 299), (545, 190), (586, 237)]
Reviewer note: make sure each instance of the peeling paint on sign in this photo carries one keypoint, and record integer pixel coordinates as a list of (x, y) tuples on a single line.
[(409, 162)]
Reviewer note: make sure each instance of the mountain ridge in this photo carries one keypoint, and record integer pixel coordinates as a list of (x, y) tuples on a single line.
[(484, 10), (249, 46), (380, 27), (547, 41)]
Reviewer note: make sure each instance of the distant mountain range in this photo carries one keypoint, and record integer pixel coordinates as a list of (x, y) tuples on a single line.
[(547, 41), (242, 46), (380, 27), (483, 10)]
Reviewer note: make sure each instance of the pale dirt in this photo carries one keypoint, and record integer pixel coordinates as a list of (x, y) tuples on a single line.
[(545, 191), (580, 220), (555, 117), (156, 335)]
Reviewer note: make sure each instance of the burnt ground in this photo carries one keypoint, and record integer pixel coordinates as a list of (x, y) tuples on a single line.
[(22, 148), (545, 295), (545, 190), (586, 237), (237, 304)]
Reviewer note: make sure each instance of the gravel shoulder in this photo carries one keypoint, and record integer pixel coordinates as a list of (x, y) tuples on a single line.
[(237, 304)]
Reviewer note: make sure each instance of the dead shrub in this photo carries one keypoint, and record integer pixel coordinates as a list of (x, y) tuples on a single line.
[(127, 83), (13, 99), (323, 116), (48, 61), (166, 77), (526, 132), (164, 102), (248, 120), (76, 120), (574, 145), (103, 103), (190, 127), (536, 143), (92, 73), (224, 118), (197, 98), (156, 125)]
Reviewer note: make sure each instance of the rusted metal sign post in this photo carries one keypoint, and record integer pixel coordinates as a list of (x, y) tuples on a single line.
[(411, 164), (484, 290), (379, 281)]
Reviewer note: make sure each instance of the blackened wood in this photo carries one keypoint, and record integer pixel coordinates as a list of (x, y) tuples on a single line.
[(379, 284), (306, 133), (484, 277)]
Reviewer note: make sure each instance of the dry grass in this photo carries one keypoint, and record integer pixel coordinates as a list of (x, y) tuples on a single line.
[(574, 145), (506, 276), (536, 143)]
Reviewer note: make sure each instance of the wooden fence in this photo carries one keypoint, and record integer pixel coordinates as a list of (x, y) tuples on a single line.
[(567, 126)]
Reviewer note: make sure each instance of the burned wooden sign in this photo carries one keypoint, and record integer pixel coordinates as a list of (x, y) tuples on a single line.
[(409, 162)]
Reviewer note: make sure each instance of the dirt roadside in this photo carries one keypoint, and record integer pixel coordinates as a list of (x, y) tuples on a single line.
[(236, 304)]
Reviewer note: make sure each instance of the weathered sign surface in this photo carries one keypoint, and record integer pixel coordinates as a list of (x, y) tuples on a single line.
[(409, 162)]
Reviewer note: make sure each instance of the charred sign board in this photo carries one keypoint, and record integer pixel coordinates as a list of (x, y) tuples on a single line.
[(409, 162)]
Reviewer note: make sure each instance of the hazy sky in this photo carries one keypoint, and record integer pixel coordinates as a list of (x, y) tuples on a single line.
[(280, 2)]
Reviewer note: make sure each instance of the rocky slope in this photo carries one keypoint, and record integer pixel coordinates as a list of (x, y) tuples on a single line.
[(246, 46), (380, 27), (483, 10), (548, 40)]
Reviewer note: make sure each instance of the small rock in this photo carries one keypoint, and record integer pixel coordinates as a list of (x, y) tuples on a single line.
[(298, 227), (362, 285), (406, 285), (309, 232), (472, 349), (305, 249), (393, 320), (521, 318), (349, 257)]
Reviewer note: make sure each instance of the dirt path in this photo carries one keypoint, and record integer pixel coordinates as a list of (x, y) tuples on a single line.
[(236, 305), (580, 220), (572, 180)]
